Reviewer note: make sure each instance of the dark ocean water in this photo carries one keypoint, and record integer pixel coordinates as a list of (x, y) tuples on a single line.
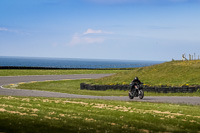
[(72, 63)]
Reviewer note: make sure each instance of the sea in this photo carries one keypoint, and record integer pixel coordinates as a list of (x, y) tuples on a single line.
[(73, 62)]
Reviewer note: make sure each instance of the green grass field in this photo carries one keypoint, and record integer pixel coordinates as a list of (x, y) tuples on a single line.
[(22, 114), (29, 114), (23, 72)]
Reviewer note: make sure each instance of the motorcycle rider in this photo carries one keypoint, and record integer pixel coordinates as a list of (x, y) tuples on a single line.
[(135, 82)]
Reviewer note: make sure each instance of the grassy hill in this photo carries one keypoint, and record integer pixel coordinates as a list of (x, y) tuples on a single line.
[(175, 73)]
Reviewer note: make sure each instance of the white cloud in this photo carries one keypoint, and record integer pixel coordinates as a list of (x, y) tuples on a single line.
[(75, 40), (3, 29), (91, 31), (79, 39), (90, 36)]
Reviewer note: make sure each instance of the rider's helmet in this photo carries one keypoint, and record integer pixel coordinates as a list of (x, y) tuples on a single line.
[(136, 78)]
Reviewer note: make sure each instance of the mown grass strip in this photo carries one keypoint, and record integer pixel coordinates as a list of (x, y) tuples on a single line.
[(65, 86), (22, 114)]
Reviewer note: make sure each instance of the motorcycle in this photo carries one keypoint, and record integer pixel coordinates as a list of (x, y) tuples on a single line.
[(137, 92)]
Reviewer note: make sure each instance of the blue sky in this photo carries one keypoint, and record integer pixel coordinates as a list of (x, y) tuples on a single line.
[(100, 29)]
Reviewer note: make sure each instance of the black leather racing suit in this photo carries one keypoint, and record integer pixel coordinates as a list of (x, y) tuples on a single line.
[(134, 83)]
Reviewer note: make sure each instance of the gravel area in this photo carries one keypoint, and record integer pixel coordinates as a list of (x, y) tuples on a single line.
[(34, 93)]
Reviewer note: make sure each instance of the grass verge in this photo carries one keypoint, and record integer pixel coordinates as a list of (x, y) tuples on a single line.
[(22, 114), (73, 87), (17, 72)]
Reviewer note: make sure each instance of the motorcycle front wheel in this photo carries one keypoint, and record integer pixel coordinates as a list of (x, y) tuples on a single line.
[(141, 94), (130, 94)]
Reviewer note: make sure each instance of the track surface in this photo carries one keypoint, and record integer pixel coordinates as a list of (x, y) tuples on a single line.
[(17, 92)]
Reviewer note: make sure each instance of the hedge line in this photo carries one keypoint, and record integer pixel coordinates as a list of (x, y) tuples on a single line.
[(163, 89)]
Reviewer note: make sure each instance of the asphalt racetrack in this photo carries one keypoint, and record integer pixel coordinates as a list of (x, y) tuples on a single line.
[(34, 93)]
